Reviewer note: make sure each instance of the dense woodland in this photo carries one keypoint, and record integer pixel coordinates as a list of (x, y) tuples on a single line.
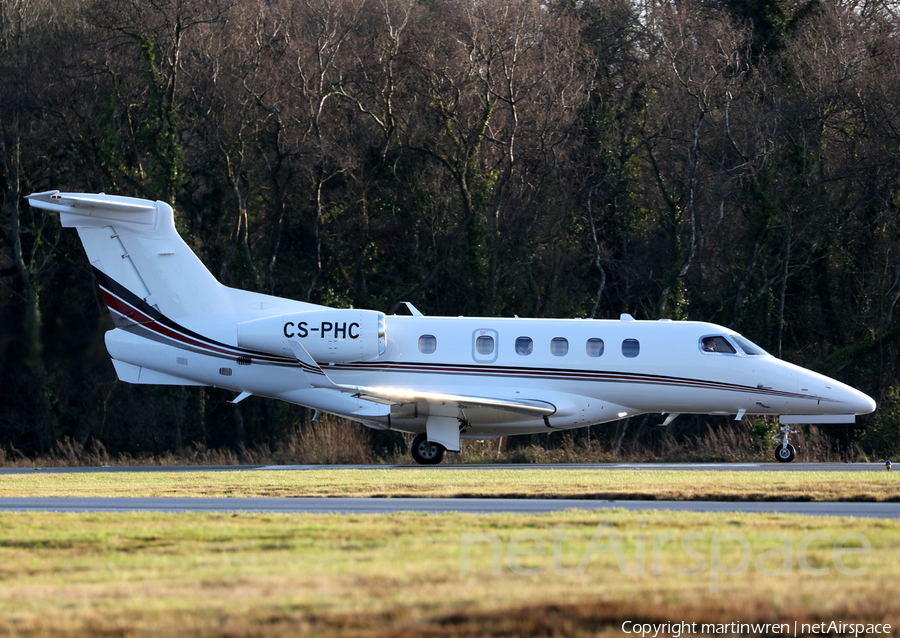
[(735, 161)]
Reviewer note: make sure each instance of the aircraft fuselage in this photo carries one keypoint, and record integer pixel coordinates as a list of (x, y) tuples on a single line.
[(445, 378)]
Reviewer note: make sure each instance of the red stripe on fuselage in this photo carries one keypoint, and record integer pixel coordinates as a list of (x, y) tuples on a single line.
[(115, 303), (128, 310)]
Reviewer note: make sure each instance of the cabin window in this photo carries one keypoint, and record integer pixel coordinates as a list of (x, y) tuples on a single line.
[(631, 348), (524, 346), (427, 344), (484, 345), (716, 343), (594, 347), (559, 347)]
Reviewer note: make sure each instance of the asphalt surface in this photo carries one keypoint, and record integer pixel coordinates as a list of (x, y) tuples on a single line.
[(431, 505)]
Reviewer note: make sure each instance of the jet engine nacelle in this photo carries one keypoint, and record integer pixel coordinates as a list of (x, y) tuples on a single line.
[(330, 336)]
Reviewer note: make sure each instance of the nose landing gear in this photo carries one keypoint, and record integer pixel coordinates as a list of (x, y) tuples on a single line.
[(785, 452)]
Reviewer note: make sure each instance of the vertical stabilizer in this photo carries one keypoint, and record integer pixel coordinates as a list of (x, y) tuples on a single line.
[(142, 264)]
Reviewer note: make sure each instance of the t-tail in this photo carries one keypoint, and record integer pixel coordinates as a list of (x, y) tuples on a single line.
[(160, 295)]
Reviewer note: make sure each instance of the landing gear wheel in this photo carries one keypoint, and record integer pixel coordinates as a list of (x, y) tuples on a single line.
[(785, 453), (425, 452)]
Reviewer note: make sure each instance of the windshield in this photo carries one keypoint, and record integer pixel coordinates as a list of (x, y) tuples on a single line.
[(747, 346)]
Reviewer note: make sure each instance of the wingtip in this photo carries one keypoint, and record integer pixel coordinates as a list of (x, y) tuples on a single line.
[(42, 194)]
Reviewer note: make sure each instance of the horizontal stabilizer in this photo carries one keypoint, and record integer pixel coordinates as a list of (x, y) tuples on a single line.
[(85, 201), (99, 206)]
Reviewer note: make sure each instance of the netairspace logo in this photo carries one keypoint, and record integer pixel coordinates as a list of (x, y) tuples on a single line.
[(605, 540), (677, 629)]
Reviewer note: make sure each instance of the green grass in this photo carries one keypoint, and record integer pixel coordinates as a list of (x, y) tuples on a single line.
[(557, 483), (400, 574)]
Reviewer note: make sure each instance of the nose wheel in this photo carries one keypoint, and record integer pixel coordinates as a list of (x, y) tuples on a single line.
[(785, 452), (425, 452)]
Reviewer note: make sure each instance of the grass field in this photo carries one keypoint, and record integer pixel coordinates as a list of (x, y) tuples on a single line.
[(449, 575), (417, 575), (556, 483)]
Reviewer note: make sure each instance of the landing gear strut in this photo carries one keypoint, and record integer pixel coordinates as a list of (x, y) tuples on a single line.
[(785, 452), (425, 452)]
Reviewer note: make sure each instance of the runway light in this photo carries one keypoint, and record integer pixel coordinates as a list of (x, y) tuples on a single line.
[(887, 465)]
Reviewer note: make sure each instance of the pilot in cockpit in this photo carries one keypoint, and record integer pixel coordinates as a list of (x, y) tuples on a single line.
[(716, 344)]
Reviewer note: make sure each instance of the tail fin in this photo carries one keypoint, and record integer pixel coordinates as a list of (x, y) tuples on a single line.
[(142, 264)]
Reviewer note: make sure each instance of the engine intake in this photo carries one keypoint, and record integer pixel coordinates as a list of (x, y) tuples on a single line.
[(330, 336)]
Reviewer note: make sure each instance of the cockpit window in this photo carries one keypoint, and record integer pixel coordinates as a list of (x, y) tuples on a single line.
[(748, 346), (716, 343)]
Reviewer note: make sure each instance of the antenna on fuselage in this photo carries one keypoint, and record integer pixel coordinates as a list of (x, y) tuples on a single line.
[(415, 312)]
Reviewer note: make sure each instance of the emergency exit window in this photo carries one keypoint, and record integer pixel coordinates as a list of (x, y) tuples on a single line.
[(484, 345)]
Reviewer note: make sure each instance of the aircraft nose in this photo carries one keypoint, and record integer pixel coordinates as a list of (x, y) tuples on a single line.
[(854, 401), (850, 400), (861, 403)]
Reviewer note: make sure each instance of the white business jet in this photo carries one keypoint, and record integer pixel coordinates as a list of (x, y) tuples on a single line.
[(441, 378)]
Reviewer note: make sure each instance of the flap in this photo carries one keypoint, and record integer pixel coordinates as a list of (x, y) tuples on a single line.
[(396, 396), (443, 401)]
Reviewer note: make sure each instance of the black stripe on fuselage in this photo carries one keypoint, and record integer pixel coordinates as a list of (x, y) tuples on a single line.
[(179, 337), (605, 376), (176, 334)]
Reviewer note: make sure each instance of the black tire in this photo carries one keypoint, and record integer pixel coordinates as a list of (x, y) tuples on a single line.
[(785, 453), (424, 452)]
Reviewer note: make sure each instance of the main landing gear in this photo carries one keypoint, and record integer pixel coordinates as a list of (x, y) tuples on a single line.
[(425, 452), (785, 452)]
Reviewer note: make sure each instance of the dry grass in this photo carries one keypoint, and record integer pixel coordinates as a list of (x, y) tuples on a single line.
[(624, 483), (329, 441), (136, 575), (337, 441)]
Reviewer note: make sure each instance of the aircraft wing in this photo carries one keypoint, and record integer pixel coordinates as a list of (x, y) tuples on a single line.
[(443, 409), (399, 396)]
